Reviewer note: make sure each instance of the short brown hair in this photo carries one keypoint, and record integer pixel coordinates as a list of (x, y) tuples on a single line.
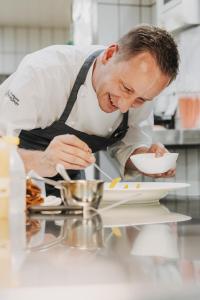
[(154, 40)]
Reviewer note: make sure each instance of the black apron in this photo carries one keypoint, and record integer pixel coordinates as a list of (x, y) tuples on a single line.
[(39, 139)]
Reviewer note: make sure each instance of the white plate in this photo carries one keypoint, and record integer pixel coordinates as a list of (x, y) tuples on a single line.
[(147, 191), (138, 214)]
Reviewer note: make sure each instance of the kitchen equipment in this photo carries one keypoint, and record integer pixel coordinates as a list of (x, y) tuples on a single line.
[(76, 193), (189, 111), (81, 193), (150, 164)]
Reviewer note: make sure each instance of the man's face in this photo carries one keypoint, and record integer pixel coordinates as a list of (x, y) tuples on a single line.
[(122, 84)]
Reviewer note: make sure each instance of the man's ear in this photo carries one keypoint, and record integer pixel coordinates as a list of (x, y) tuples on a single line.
[(109, 53)]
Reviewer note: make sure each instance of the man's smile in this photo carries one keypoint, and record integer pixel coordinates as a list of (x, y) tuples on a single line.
[(111, 103)]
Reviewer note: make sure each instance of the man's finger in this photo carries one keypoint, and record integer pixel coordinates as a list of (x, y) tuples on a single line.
[(79, 153), (72, 140)]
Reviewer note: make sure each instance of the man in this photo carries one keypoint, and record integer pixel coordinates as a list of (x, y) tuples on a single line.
[(68, 102)]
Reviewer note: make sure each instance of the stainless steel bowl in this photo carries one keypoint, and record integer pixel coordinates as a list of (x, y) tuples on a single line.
[(81, 193)]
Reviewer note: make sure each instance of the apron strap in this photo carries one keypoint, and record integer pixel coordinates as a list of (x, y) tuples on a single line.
[(80, 79), (122, 128)]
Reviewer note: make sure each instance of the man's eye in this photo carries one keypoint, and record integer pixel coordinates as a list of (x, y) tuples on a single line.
[(127, 89), (140, 100)]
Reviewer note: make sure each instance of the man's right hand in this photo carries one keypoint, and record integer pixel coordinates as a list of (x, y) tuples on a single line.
[(69, 151), (66, 149)]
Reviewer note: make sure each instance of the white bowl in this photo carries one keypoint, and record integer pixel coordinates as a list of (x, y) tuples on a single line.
[(150, 164)]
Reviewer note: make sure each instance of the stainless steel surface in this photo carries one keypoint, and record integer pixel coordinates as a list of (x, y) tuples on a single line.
[(90, 261), (83, 233), (53, 208), (77, 232), (82, 193), (177, 137)]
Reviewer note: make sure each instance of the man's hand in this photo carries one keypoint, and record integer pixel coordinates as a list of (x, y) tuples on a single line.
[(66, 149), (69, 151), (159, 150)]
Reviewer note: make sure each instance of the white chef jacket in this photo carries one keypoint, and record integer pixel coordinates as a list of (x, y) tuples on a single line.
[(36, 94)]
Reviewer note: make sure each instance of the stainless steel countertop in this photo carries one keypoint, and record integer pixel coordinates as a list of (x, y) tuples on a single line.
[(67, 257), (177, 137)]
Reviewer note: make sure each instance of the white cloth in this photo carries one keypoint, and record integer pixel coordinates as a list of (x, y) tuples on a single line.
[(36, 95)]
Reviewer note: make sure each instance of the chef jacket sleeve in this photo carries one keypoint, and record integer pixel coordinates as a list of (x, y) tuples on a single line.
[(138, 135)]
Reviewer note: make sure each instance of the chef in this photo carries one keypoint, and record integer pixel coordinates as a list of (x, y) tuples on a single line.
[(68, 102)]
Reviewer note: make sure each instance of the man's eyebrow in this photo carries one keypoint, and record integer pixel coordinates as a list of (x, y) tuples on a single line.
[(145, 99), (133, 90), (128, 86)]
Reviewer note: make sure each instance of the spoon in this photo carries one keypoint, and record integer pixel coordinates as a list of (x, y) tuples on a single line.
[(34, 175), (63, 173), (103, 172)]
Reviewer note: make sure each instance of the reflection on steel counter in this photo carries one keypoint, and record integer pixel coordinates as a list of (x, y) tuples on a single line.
[(83, 232)]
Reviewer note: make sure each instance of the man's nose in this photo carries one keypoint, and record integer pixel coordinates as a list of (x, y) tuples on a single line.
[(124, 104)]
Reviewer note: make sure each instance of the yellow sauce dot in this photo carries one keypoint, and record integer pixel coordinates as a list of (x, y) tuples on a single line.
[(116, 232), (126, 186), (138, 185), (114, 182)]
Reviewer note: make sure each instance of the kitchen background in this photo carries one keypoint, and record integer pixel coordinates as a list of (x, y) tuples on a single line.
[(26, 26)]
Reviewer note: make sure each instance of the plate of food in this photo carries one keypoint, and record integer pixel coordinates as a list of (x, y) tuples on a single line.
[(139, 192)]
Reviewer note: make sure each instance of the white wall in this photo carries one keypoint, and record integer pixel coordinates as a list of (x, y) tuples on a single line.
[(189, 47), (16, 42)]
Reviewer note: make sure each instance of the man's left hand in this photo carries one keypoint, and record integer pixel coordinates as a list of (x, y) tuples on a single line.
[(159, 150)]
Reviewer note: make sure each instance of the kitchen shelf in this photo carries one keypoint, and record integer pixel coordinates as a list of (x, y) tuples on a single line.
[(177, 137)]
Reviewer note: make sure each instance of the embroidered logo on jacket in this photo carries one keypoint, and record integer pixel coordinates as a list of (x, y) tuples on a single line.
[(12, 97)]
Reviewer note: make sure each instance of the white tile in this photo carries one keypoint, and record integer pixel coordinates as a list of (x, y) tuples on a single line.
[(1, 63), (129, 17), (21, 40), (146, 14), (9, 40), (1, 40), (8, 63), (107, 1), (136, 2), (153, 15), (46, 37), (33, 39), (18, 59), (59, 36), (181, 175), (193, 171), (129, 2), (107, 27), (148, 2)]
